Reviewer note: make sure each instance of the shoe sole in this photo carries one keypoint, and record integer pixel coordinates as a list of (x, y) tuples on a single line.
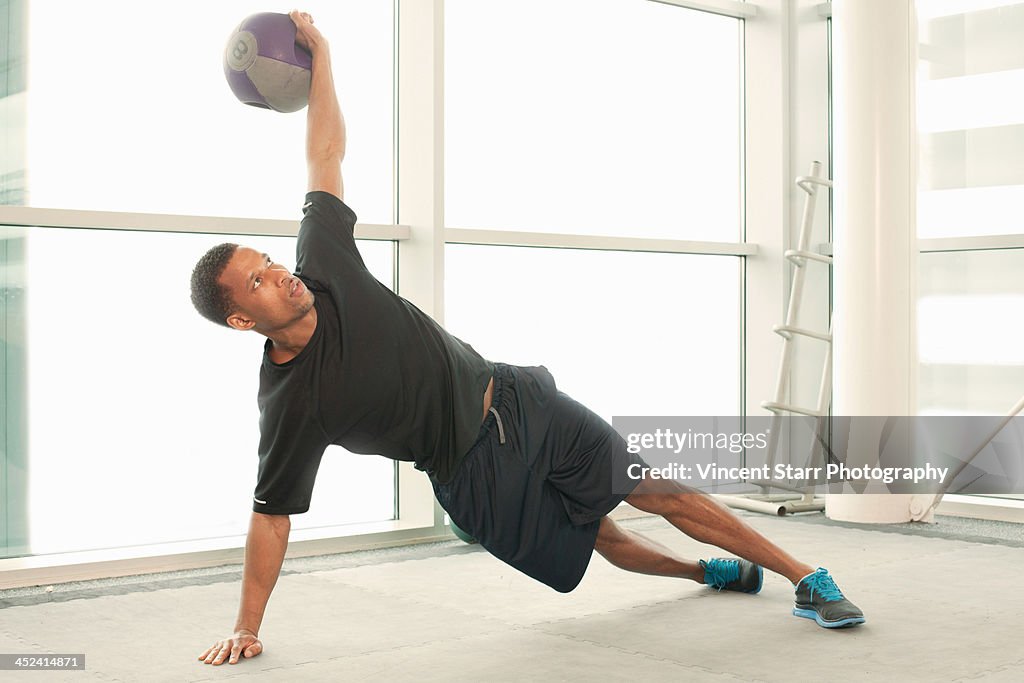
[(842, 623)]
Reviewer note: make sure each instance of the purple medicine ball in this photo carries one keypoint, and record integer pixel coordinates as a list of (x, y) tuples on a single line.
[(264, 66)]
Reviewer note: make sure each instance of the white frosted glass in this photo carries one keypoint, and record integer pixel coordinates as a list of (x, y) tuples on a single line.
[(932, 9), (977, 101), (624, 333), (131, 112), (970, 332), (143, 424), (970, 212), (972, 329), (605, 117), (970, 118)]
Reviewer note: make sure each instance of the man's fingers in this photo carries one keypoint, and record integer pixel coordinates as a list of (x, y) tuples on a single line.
[(235, 649), (221, 655), (296, 15), (210, 654)]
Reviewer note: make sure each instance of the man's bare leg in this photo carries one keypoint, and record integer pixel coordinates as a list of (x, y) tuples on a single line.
[(635, 552), (704, 519)]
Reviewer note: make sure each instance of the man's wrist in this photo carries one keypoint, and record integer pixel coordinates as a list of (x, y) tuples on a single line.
[(321, 52), (318, 46)]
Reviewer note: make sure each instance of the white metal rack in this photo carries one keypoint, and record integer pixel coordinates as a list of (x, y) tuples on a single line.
[(797, 501)]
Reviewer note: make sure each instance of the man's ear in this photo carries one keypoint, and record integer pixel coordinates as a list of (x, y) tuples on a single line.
[(240, 322)]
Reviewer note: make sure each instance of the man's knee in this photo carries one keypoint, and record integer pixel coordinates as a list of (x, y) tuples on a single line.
[(608, 534)]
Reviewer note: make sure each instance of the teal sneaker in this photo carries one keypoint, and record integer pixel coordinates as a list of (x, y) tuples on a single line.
[(732, 575), (818, 598)]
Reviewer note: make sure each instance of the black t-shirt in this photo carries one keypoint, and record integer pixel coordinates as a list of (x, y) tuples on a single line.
[(377, 376)]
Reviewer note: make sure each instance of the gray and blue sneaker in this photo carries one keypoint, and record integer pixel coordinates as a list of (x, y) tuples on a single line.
[(818, 598), (732, 575)]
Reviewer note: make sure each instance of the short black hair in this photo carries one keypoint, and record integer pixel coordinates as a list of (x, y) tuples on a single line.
[(212, 299)]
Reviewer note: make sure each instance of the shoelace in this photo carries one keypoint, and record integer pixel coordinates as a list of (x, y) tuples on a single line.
[(718, 572), (821, 583)]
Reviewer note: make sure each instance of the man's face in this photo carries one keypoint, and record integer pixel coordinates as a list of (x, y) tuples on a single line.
[(266, 296)]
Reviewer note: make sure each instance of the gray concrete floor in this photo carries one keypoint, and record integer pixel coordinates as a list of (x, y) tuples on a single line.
[(943, 603)]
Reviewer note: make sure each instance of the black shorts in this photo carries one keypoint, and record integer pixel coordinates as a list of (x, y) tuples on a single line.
[(535, 485)]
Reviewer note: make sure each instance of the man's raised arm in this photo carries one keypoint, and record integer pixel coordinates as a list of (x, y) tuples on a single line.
[(325, 125)]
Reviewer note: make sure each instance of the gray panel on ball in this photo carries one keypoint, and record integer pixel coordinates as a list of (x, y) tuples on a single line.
[(285, 87)]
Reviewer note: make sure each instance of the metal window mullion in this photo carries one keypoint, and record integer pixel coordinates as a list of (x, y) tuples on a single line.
[(419, 200), (766, 131), (728, 8), (933, 245), (980, 243), (504, 238), (27, 216)]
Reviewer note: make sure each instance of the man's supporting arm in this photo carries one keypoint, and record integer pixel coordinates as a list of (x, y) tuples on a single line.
[(265, 547), (325, 125), (264, 552)]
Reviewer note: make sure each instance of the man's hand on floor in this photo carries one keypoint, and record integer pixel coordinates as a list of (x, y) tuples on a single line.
[(243, 643)]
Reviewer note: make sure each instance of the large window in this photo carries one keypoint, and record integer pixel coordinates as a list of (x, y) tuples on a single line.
[(133, 113), (971, 318), (971, 118), (625, 333), (616, 118), (125, 419), (971, 188), (136, 419), (619, 117)]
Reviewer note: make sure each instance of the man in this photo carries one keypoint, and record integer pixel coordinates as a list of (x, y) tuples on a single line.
[(515, 462)]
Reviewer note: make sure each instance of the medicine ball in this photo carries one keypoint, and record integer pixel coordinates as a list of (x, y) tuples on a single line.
[(264, 66)]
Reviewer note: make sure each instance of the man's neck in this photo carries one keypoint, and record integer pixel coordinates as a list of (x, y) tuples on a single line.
[(287, 343)]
